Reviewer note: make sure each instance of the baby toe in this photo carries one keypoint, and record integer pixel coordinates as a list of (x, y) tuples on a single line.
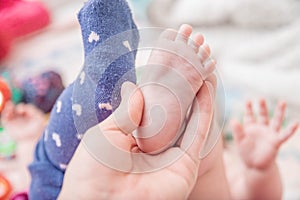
[(209, 65), (168, 34), (184, 33), (196, 42), (204, 52)]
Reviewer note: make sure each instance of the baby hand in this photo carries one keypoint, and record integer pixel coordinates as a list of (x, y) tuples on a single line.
[(258, 140)]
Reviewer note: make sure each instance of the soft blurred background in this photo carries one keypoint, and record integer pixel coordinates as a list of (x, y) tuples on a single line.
[(256, 45)]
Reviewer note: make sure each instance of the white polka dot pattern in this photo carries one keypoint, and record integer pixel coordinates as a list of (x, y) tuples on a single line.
[(58, 106), (77, 109), (56, 138), (106, 106), (127, 45), (93, 37)]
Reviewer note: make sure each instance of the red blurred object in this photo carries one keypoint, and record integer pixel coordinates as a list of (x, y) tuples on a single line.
[(4, 47), (19, 18), (5, 188), (20, 196), (5, 93)]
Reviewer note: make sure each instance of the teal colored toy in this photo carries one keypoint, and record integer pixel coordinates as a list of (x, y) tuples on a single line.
[(16, 92)]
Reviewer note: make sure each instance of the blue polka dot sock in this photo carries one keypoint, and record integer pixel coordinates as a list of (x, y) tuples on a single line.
[(110, 40)]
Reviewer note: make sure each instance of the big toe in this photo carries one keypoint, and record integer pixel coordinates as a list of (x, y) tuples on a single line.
[(184, 33), (168, 34)]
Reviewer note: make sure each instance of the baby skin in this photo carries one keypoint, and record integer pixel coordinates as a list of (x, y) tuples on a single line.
[(255, 175), (258, 141), (25, 124), (175, 72)]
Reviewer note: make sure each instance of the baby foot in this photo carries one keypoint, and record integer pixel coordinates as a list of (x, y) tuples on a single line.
[(179, 65)]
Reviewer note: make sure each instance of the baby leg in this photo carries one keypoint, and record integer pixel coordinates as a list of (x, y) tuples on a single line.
[(106, 26)]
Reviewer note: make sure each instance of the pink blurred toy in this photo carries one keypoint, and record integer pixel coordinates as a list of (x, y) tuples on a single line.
[(19, 18), (20, 196)]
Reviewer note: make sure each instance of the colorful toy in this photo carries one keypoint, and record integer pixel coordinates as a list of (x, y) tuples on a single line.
[(43, 90), (5, 93), (15, 91), (20, 196), (7, 145), (19, 18), (5, 188)]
